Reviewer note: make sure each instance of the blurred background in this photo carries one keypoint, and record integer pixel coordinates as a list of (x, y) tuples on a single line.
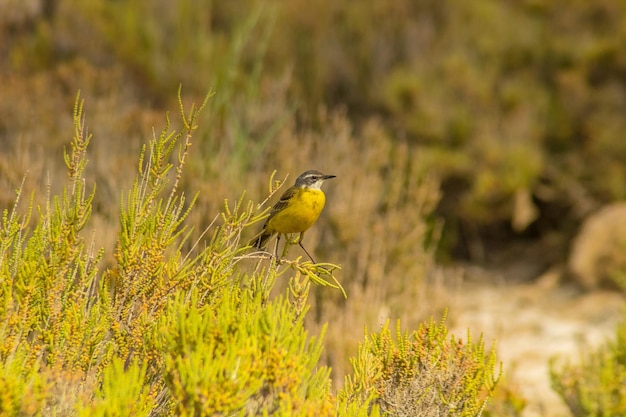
[(479, 147)]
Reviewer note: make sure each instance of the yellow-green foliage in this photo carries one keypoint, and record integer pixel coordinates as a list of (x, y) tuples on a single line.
[(240, 355), (423, 373), (595, 387), (48, 275), (123, 392), (76, 336), (507, 400), (22, 388)]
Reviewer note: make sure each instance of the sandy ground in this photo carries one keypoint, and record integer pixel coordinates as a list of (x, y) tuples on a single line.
[(534, 322)]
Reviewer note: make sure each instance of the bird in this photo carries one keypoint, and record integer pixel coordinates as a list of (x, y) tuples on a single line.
[(296, 210)]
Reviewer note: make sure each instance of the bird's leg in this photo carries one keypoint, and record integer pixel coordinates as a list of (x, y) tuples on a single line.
[(276, 248), (303, 248)]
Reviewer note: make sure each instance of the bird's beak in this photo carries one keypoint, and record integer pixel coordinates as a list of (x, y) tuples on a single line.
[(327, 177)]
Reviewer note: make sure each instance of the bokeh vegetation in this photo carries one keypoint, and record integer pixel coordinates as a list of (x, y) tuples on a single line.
[(458, 130), (516, 107)]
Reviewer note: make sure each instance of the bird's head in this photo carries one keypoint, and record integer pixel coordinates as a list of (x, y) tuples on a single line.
[(312, 179)]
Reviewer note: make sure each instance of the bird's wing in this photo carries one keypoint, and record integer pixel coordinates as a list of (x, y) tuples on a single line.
[(260, 240), (283, 202)]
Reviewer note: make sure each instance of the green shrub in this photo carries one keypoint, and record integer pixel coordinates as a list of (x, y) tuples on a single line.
[(123, 391), (22, 387), (48, 274), (241, 355), (595, 387), (172, 326), (190, 328), (424, 373)]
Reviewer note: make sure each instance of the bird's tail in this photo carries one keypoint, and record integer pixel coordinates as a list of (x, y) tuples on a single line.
[(260, 241)]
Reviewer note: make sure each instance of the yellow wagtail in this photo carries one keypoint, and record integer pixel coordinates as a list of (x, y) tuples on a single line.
[(296, 211)]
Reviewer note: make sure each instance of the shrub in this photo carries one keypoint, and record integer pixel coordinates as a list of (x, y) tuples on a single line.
[(190, 328), (595, 387), (423, 373)]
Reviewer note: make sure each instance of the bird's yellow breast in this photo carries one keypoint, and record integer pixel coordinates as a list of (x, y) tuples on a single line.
[(301, 212)]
